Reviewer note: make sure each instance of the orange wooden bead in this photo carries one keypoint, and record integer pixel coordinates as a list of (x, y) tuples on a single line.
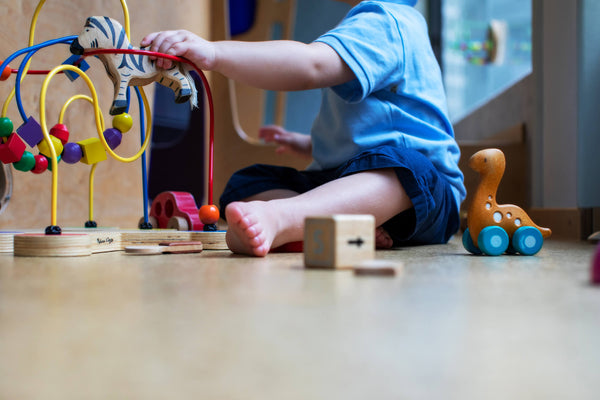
[(209, 214), (6, 73)]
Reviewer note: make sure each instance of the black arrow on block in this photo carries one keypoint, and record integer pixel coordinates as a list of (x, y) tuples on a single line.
[(358, 242)]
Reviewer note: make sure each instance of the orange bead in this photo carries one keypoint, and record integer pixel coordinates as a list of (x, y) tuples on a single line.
[(6, 73), (209, 214)]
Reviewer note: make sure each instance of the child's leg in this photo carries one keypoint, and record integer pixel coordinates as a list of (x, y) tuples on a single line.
[(255, 227)]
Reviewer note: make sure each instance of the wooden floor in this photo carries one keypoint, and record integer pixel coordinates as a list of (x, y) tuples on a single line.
[(219, 326)]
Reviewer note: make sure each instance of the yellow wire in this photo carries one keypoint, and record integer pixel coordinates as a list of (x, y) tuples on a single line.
[(63, 110), (93, 169), (98, 115), (11, 95), (91, 191)]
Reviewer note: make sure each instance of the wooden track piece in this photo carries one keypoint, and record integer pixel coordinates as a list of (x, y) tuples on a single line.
[(378, 268), (41, 245), (165, 248)]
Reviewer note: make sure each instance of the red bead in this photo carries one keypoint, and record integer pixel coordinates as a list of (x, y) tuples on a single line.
[(209, 214), (6, 73), (12, 150), (41, 164), (61, 132)]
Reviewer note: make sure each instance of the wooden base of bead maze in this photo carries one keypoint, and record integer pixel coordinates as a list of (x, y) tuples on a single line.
[(41, 245), (7, 241), (85, 242)]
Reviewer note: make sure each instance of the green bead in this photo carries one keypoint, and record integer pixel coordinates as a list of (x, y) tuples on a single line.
[(26, 163), (6, 127), (58, 158)]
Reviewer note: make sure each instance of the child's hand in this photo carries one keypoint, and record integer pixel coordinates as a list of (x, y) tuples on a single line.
[(180, 43), (288, 142)]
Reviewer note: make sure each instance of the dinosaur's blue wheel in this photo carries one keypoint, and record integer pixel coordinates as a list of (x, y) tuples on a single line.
[(468, 243), (527, 240), (493, 240)]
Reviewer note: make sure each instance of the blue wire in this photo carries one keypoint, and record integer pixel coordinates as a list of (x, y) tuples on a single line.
[(31, 51), (18, 85), (142, 139), (35, 47)]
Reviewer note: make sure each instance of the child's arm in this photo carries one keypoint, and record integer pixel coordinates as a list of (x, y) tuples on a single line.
[(287, 142), (273, 65)]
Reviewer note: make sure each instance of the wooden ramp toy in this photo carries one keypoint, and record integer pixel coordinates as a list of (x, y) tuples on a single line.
[(165, 248), (494, 229)]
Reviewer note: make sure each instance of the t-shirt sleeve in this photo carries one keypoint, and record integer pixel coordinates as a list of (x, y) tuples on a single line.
[(370, 43)]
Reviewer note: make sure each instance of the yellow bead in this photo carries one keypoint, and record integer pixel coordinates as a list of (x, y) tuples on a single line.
[(45, 149), (122, 122), (93, 151)]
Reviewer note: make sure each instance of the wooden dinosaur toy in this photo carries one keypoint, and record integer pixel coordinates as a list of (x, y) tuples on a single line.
[(494, 228)]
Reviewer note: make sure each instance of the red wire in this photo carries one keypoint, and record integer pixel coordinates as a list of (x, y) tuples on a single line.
[(34, 71), (211, 125)]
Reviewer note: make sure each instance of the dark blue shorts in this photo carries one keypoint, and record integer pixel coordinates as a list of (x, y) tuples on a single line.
[(432, 219)]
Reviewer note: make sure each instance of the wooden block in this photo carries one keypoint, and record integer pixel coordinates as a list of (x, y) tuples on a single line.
[(93, 151), (338, 241), (41, 245)]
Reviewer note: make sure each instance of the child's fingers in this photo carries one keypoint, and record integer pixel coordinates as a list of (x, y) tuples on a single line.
[(148, 39), (271, 133)]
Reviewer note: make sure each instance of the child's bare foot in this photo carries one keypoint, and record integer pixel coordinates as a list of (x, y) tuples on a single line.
[(383, 239), (250, 230)]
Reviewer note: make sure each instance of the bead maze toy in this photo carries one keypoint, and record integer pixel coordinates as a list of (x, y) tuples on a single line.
[(126, 66), (494, 229)]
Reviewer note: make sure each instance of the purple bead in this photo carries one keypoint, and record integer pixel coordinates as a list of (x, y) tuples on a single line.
[(72, 153), (31, 132), (113, 137)]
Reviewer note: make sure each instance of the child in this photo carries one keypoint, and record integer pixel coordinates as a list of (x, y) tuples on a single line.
[(381, 143)]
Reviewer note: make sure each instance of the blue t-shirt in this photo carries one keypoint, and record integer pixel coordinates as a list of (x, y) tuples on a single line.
[(397, 97)]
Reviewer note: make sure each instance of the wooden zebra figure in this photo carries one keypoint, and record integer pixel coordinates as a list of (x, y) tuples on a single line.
[(130, 69)]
